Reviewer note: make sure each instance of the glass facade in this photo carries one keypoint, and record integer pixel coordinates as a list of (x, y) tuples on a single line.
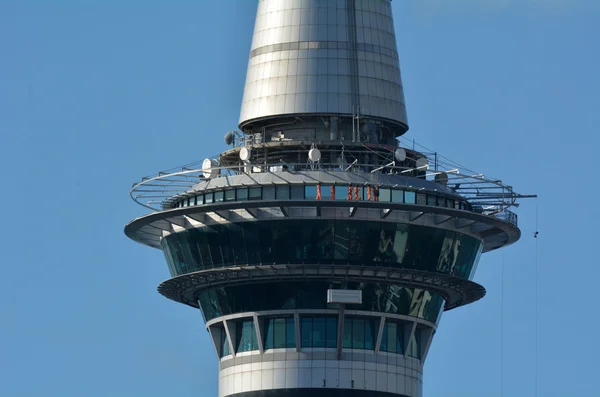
[(392, 338), (394, 299), (309, 192), (318, 332), (322, 241), (225, 350), (280, 333), (414, 345), (360, 333), (246, 336)]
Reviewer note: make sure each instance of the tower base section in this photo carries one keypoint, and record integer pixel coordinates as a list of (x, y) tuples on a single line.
[(316, 393), (291, 374)]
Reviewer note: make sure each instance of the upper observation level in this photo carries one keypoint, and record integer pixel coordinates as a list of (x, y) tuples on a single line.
[(324, 58)]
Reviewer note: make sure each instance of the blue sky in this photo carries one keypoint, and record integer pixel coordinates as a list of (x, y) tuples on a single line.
[(95, 95)]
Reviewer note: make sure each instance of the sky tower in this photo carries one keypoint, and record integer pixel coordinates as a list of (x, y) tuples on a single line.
[(319, 247)]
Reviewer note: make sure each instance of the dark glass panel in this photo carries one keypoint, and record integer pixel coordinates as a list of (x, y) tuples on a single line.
[(306, 331), (230, 195), (414, 345), (331, 332), (242, 194), (219, 196), (297, 192), (270, 333), (358, 333), (282, 192), (303, 295), (268, 193), (279, 334), (431, 200), (225, 349), (208, 198), (347, 336), (397, 196), (238, 244), (246, 336), (252, 243), (215, 248), (371, 332), (265, 245), (254, 193), (319, 329), (290, 333), (225, 243)]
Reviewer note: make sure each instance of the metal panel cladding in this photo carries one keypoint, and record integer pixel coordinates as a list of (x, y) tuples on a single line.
[(323, 57)]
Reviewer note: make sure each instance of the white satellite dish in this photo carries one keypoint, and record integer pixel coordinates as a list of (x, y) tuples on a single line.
[(245, 154), (314, 155), (208, 168), (422, 162), (400, 154)]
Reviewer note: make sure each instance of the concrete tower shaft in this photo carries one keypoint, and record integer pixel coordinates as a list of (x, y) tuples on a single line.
[(323, 58)]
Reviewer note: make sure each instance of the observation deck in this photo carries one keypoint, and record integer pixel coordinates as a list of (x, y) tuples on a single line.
[(259, 242), (321, 246)]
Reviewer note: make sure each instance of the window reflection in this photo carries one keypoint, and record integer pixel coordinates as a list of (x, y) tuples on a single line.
[(246, 336), (318, 331), (225, 350), (392, 338), (280, 333), (392, 299), (322, 241), (360, 333), (414, 345)]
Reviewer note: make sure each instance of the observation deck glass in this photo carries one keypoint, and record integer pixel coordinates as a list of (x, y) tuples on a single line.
[(393, 299), (322, 241)]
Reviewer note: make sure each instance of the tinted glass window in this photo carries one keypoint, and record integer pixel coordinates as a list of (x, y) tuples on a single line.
[(360, 333), (392, 338), (280, 333), (282, 192), (246, 336), (319, 331), (393, 299), (254, 193), (322, 241), (230, 195), (242, 194)]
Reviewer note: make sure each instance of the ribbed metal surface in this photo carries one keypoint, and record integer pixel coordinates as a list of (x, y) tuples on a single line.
[(324, 57)]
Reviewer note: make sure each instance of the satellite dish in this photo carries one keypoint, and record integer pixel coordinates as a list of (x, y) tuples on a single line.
[(314, 155), (400, 154), (228, 138), (245, 154), (208, 168), (422, 162), (441, 178)]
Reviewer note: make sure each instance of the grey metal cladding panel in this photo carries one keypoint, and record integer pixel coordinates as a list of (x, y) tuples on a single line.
[(301, 60)]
